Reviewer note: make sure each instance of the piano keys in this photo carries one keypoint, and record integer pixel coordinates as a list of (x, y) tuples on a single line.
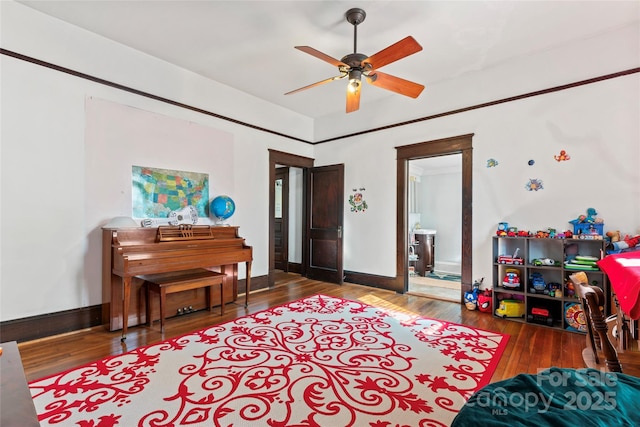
[(129, 252)]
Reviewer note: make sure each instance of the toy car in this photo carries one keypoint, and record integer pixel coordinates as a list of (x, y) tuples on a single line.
[(544, 261), (511, 259), (537, 283), (540, 315), (511, 279), (510, 308)]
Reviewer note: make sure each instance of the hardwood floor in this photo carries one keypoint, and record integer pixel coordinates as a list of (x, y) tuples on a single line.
[(444, 290), (530, 347)]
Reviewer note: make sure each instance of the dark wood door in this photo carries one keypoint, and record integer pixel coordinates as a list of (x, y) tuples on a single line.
[(281, 217), (325, 204)]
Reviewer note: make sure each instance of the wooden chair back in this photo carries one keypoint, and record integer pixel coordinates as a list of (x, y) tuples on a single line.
[(598, 337)]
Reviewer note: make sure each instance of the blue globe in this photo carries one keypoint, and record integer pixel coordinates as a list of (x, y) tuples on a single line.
[(222, 207)]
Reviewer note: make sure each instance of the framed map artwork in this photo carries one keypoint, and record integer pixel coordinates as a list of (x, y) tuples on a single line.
[(157, 192)]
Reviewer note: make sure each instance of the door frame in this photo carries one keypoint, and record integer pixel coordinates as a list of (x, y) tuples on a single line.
[(291, 160), (454, 145)]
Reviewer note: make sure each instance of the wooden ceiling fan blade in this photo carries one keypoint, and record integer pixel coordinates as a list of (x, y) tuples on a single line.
[(326, 58), (395, 84), (353, 98), (403, 48), (321, 82)]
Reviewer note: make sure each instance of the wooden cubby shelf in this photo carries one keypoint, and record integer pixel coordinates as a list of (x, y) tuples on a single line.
[(539, 306)]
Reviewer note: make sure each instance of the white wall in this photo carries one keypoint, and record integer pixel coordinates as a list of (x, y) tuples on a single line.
[(596, 124), (48, 241), (45, 232), (441, 209), (295, 215)]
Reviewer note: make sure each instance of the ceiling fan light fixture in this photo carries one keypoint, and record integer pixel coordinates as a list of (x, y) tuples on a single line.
[(355, 80)]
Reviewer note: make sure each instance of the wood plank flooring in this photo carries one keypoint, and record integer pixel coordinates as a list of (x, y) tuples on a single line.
[(530, 347)]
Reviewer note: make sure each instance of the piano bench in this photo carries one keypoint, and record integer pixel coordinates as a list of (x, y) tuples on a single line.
[(178, 281)]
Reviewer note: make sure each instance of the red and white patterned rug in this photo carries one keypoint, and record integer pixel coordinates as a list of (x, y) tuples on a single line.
[(319, 361)]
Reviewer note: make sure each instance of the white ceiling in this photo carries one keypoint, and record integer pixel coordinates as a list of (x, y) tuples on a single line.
[(249, 45)]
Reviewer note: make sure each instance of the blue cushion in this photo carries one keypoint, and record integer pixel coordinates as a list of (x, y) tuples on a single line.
[(556, 397)]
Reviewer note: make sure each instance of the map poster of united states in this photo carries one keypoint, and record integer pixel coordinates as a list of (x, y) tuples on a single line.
[(156, 192)]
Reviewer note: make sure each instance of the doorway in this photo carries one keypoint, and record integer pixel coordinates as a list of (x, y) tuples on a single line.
[(442, 147), (435, 230), (281, 220), (289, 226), (321, 217), (301, 164), (297, 166)]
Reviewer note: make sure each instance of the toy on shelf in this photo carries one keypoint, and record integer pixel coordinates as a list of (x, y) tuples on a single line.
[(554, 289), (574, 316), (566, 234), (544, 261), (587, 263), (510, 308), (541, 316), (540, 234), (512, 232), (511, 259), (511, 279), (588, 226), (505, 231), (569, 289), (538, 285)]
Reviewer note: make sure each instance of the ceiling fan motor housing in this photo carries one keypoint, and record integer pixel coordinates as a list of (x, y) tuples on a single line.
[(354, 60)]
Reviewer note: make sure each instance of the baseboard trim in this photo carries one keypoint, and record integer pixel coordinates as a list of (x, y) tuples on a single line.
[(46, 325), (382, 282), (295, 267), (257, 283)]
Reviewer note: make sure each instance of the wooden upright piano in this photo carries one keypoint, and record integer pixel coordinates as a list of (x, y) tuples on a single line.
[(129, 252)]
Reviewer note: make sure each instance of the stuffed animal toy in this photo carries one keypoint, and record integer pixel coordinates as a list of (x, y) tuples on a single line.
[(471, 297), (484, 301), (628, 242), (614, 236), (589, 218)]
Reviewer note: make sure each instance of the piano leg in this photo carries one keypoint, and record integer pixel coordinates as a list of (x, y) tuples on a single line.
[(126, 297), (248, 285)]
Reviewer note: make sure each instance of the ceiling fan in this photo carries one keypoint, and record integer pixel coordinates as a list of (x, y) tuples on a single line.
[(355, 65)]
